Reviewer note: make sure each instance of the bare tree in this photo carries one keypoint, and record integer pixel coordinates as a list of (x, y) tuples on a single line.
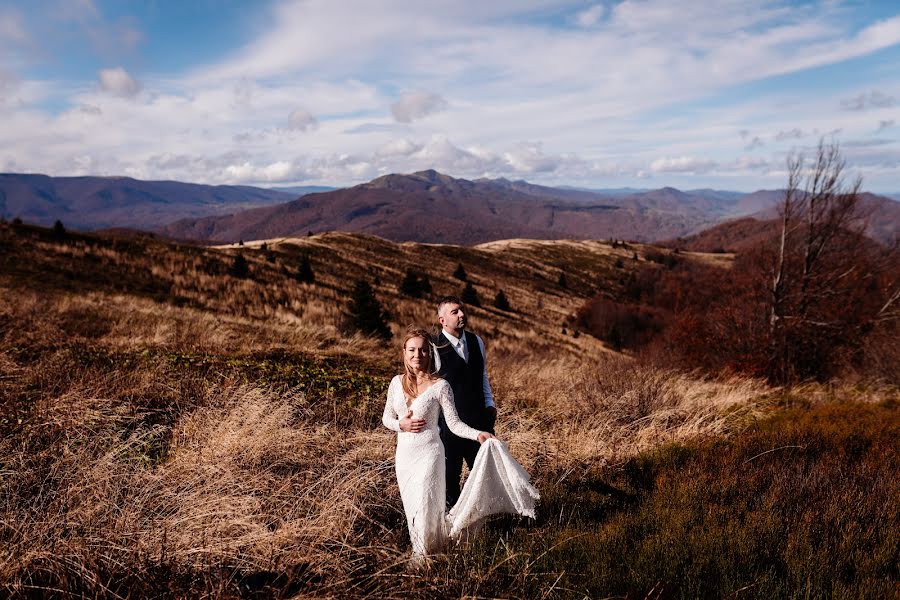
[(819, 265)]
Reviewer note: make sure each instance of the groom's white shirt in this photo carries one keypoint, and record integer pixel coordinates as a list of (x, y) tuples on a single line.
[(459, 345)]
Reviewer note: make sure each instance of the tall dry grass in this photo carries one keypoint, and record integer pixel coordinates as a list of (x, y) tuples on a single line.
[(123, 475), (155, 442)]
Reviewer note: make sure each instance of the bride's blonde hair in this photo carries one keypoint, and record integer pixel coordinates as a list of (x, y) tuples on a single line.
[(408, 380)]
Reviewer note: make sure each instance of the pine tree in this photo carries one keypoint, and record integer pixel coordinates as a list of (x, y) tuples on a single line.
[(501, 303), (364, 312), (410, 285), (460, 273), (425, 284), (414, 285), (59, 230), (469, 296), (304, 272), (239, 267), (562, 280)]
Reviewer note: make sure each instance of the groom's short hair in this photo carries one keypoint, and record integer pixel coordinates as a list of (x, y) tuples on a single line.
[(448, 300)]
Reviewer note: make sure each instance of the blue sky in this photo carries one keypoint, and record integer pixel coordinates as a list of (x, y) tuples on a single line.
[(641, 93)]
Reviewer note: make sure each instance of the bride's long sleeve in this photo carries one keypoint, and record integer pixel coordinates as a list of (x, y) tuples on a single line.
[(390, 417), (452, 417)]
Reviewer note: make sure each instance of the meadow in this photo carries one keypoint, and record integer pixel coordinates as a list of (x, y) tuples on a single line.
[(172, 430)]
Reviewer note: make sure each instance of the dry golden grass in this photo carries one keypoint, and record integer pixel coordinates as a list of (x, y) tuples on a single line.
[(106, 484), (131, 467)]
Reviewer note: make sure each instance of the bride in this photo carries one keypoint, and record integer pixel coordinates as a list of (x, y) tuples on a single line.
[(420, 397)]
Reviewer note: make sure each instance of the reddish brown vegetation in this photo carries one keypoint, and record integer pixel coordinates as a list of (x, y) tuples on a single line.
[(696, 315), (812, 300)]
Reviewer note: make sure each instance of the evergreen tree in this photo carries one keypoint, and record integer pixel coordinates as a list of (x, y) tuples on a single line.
[(239, 267), (562, 280), (364, 312), (59, 229), (469, 296), (304, 272), (425, 284), (414, 285), (501, 303), (460, 273), (410, 285)]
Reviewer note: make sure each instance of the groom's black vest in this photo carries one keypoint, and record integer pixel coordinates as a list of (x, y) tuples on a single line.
[(466, 379)]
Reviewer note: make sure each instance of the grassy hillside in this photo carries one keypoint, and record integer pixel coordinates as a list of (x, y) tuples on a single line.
[(170, 430)]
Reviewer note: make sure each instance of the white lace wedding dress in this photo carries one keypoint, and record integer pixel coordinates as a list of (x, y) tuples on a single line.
[(420, 470)]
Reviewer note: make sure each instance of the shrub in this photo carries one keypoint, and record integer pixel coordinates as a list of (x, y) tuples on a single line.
[(364, 312), (667, 260), (469, 296), (239, 267), (501, 303), (304, 271), (414, 285)]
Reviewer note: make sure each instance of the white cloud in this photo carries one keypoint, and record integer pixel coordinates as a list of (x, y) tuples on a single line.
[(12, 27), (301, 120), (748, 163), (399, 147), (8, 83), (590, 16), (117, 81), (682, 164), (604, 94), (530, 158), (416, 104)]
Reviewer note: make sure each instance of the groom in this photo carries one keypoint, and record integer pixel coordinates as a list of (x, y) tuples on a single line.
[(460, 360)]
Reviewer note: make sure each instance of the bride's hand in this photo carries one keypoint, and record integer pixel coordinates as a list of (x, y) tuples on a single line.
[(411, 425), (485, 436)]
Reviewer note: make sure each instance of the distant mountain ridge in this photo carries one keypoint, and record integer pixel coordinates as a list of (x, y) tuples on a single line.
[(105, 202), (428, 206)]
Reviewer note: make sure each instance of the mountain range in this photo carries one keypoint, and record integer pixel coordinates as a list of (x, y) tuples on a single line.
[(428, 206), (105, 202), (425, 206)]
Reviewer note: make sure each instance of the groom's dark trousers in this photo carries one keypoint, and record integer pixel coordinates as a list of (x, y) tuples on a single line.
[(466, 379)]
